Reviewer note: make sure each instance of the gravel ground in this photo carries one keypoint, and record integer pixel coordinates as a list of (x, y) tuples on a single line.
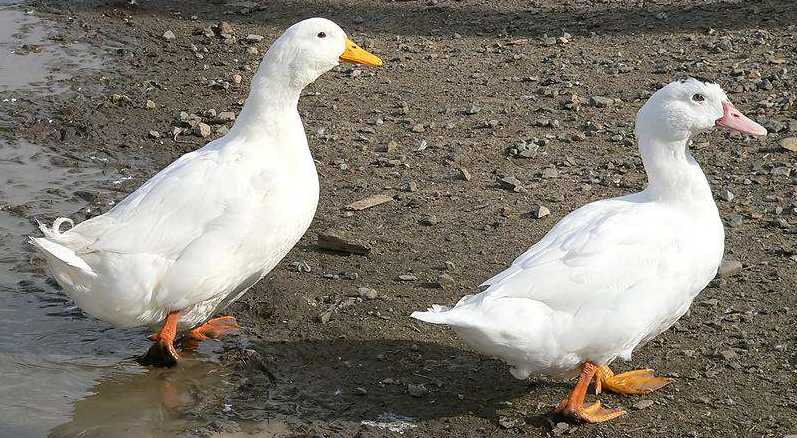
[(488, 123)]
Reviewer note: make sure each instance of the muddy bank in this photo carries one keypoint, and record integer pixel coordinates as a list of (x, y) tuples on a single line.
[(485, 117)]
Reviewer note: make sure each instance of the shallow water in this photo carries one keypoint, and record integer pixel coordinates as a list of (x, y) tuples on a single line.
[(31, 59), (63, 373)]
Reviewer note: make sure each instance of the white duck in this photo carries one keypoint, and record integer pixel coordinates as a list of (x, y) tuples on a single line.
[(209, 226), (615, 273)]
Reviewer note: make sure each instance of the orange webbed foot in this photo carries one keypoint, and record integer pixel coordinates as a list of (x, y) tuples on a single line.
[(594, 413), (574, 406), (162, 352), (213, 329), (636, 382)]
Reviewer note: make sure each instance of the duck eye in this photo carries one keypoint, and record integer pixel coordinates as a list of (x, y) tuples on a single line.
[(322, 35), (698, 97)]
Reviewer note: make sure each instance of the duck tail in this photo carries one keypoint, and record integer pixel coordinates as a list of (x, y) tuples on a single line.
[(434, 315), (55, 232), (54, 247)]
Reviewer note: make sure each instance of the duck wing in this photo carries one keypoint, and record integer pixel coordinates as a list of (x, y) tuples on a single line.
[(183, 236), (595, 257)]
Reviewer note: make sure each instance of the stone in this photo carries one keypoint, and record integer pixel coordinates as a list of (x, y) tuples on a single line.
[(735, 220), (445, 281), (206, 31), (430, 220), (512, 183), (729, 267), (371, 201), (728, 355), (237, 79), (727, 195), (169, 36), (325, 317), (418, 128), (643, 404), (341, 241), (367, 293), (507, 423), (202, 129), (550, 172), (464, 174), (252, 51), (540, 211), (301, 266), (224, 28), (473, 109), (226, 116), (254, 38), (409, 186), (222, 130), (417, 391), (560, 428), (154, 134), (407, 277), (150, 105), (219, 84), (601, 101), (120, 99), (789, 143), (390, 147)]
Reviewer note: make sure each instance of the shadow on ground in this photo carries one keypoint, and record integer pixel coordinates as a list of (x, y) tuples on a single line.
[(357, 380), (304, 381)]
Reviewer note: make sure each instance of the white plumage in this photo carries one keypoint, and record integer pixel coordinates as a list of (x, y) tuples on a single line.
[(210, 225), (615, 273)]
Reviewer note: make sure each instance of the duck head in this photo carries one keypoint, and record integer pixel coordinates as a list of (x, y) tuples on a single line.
[(310, 48), (689, 106)]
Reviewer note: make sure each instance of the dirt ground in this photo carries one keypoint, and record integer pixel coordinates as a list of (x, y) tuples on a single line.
[(497, 88)]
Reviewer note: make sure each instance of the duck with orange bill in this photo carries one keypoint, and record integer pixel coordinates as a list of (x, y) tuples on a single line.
[(205, 229)]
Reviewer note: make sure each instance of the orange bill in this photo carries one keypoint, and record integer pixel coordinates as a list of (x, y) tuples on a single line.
[(357, 55)]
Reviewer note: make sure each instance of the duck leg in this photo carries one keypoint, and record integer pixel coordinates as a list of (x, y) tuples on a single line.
[(162, 352), (634, 382), (574, 407), (213, 329)]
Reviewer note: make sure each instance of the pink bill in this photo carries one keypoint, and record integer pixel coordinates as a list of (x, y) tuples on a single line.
[(734, 119)]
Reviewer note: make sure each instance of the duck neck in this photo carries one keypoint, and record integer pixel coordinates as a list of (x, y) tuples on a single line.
[(673, 174), (272, 93)]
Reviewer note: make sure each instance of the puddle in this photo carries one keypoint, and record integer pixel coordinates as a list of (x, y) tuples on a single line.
[(156, 403), (31, 58), (62, 373)]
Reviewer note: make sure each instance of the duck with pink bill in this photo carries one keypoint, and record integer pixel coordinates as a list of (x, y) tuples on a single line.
[(615, 273)]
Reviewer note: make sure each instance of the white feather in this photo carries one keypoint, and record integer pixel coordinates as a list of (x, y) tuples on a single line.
[(612, 274), (203, 230)]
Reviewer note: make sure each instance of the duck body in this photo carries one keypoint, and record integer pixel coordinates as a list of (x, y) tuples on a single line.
[(614, 273), (201, 232), (608, 277), (198, 234)]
